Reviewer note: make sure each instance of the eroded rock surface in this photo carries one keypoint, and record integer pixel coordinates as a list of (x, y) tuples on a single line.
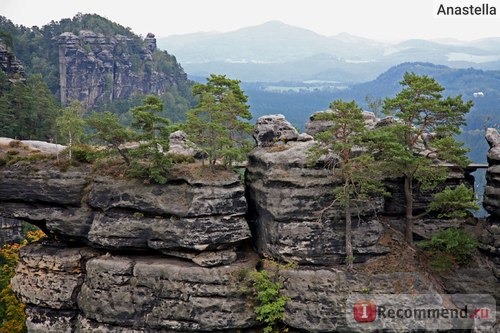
[(188, 214), (125, 256), (293, 215)]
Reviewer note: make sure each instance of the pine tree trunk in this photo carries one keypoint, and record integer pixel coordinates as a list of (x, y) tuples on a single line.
[(348, 237), (70, 145), (408, 189)]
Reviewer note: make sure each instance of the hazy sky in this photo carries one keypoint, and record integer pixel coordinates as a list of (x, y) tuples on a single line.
[(377, 19)]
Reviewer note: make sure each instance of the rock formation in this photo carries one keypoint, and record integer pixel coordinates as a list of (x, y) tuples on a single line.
[(10, 65), (125, 256), (490, 237), (10, 231), (96, 69)]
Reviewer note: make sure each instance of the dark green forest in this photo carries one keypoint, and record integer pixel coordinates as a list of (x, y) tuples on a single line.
[(38, 50)]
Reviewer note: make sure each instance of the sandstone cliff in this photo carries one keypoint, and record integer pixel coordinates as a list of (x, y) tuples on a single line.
[(9, 64), (96, 69), (124, 256)]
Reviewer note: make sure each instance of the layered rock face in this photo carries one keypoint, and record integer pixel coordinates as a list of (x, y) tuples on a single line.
[(9, 64), (95, 69), (125, 256), (292, 216), (490, 238), (10, 231), (171, 246)]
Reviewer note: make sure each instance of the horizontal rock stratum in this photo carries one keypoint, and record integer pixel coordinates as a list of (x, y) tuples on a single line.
[(123, 255)]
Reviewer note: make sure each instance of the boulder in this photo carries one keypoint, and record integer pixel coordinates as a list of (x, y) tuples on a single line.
[(180, 145), (272, 129)]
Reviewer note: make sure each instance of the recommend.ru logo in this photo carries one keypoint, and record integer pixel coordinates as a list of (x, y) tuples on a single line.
[(421, 311)]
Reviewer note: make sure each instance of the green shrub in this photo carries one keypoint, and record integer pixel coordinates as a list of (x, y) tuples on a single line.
[(85, 153), (448, 247), (454, 202), (266, 288)]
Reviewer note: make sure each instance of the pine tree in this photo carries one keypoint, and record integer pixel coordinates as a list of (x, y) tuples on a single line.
[(150, 157), (110, 131), (423, 133), (355, 166), (216, 125)]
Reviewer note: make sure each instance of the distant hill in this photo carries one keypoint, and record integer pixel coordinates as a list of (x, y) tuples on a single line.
[(275, 51), (299, 105)]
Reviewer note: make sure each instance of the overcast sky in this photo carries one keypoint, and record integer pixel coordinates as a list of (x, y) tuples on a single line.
[(389, 20)]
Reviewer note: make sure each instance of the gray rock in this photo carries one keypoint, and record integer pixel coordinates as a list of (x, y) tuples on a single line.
[(215, 258), (273, 128), (84, 325), (50, 276), (95, 69), (48, 186), (179, 199), (315, 126), (318, 296), (491, 199), (44, 147), (120, 231), (71, 222), (304, 137), (10, 65), (45, 320), (164, 294), (492, 137), (10, 230), (293, 215), (180, 145)]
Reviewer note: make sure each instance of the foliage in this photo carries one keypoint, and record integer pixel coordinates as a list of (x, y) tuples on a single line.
[(266, 288), (27, 109), (12, 318), (84, 153), (38, 49), (71, 125), (454, 202), (216, 124), (426, 123), (356, 168), (153, 135), (109, 131), (449, 246)]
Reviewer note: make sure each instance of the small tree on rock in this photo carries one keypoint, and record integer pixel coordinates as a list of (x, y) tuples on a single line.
[(216, 125), (355, 167), (71, 125), (110, 131), (150, 157), (422, 136)]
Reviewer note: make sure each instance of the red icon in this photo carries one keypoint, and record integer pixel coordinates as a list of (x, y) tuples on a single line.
[(364, 311)]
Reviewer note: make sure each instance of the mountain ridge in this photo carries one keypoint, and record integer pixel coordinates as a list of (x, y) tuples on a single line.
[(285, 45)]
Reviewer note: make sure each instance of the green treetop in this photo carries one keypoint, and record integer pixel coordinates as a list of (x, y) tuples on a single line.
[(71, 125), (216, 124), (422, 134), (150, 157)]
